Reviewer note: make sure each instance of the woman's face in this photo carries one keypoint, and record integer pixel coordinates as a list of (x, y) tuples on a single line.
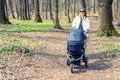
[(82, 13)]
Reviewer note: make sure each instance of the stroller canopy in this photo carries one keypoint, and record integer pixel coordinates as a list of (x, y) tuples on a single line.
[(77, 35)]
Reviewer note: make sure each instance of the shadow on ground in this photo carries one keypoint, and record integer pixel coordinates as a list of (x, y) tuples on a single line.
[(97, 61)]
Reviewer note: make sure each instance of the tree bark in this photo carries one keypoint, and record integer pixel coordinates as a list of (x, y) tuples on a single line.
[(105, 13), (69, 20), (50, 6), (117, 12), (46, 10), (3, 17), (74, 8), (83, 4), (66, 7), (94, 6), (37, 12), (28, 9), (57, 25), (10, 2), (17, 8)]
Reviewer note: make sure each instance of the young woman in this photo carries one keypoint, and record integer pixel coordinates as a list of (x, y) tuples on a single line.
[(81, 21)]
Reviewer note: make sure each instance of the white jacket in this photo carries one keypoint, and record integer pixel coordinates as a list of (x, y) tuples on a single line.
[(85, 23)]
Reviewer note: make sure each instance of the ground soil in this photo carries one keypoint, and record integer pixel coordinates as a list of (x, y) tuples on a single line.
[(48, 62)]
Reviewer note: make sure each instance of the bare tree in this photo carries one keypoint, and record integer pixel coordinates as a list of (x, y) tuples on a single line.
[(37, 11), (50, 7), (46, 10), (75, 7), (94, 6), (57, 25), (83, 4), (105, 13), (3, 12), (10, 3), (69, 20), (65, 7)]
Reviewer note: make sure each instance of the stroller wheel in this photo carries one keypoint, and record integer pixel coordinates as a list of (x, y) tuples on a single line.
[(86, 62), (68, 62), (72, 68)]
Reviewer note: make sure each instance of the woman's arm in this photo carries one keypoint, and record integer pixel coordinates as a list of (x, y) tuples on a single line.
[(74, 23), (87, 25)]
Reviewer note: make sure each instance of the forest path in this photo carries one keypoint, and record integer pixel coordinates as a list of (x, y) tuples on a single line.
[(49, 60)]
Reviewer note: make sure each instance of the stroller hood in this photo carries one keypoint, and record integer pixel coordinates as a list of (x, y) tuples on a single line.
[(77, 35)]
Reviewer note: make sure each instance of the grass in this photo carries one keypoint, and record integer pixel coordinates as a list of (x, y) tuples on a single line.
[(8, 50), (30, 26), (27, 26), (111, 49)]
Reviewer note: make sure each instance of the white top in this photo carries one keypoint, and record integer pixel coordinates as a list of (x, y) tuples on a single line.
[(85, 23)]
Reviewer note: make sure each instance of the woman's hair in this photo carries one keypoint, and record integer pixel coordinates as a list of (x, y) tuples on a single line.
[(83, 9)]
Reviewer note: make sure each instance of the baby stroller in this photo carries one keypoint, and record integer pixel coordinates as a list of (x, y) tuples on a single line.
[(76, 49)]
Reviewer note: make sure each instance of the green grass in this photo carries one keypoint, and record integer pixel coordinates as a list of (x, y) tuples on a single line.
[(116, 52), (31, 26), (27, 26), (115, 48), (8, 50), (108, 46), (9, 38)]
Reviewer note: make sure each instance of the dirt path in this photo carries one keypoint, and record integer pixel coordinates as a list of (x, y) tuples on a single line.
[(49, 60)]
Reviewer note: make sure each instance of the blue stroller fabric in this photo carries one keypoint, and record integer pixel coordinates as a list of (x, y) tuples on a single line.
[(75, 41), (77, 35)]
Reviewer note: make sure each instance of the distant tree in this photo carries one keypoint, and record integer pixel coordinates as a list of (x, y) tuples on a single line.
[(69, 20), (118, 13), (50, 7), (17, 9), (75, 2), (87, 2), (83, 4), (94, 6), (3, 12), (65, 1), (10, 3), (57, 25), (46, 10), (37, 11), (105, 12)]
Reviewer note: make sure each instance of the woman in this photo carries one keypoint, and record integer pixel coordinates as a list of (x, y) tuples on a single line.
[(81, 21)]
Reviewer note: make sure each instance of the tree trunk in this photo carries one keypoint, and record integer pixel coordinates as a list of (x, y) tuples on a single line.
[(43, 9), (17, 9), (28, 10), (37, 12), (88, 6), (57, 25), (74, 8), (10, 2), (94, 7), (46, 10), (118, 12), (50, 6), (83, 4), (105, 13), (20, 10), (65, 7), (69, 20), (3, 18)]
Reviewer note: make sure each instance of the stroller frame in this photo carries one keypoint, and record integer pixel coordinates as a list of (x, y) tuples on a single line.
[(72, 61)]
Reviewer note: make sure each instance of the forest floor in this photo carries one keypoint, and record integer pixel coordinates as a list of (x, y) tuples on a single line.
[(48, 60)]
